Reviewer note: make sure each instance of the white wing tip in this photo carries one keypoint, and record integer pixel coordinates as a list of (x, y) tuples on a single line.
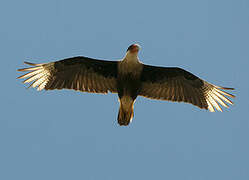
[(216, 96), (38, 75)]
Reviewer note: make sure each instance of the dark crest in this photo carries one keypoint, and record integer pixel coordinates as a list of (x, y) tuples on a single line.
[(130, 47)]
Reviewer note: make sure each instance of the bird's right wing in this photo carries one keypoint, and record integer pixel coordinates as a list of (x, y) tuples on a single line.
[(78, 73)]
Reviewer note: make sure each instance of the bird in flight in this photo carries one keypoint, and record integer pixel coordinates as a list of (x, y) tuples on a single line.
[(128, 78)]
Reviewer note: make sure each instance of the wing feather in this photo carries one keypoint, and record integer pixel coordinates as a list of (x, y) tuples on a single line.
[(176, 84), (78, 73)]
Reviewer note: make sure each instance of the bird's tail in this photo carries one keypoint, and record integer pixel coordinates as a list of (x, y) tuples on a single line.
[(125, 113)]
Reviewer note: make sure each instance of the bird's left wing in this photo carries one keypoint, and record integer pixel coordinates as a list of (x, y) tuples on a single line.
[(78, 73), (176, 84)]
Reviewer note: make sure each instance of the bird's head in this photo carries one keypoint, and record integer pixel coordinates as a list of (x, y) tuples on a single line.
[(133, 49)]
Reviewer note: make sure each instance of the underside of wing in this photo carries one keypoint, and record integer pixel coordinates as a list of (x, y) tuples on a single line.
[(175, 84), (77, 73)]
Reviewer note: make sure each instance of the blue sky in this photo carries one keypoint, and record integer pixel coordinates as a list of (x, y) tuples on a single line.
[(72, 135)]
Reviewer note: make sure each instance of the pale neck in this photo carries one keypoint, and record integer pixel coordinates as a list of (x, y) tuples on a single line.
[(131, 57)]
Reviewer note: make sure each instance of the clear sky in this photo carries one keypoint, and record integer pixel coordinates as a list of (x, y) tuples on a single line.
[(72, 135)]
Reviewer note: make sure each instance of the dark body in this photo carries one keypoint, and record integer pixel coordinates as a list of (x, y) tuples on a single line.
[(128, 85)]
